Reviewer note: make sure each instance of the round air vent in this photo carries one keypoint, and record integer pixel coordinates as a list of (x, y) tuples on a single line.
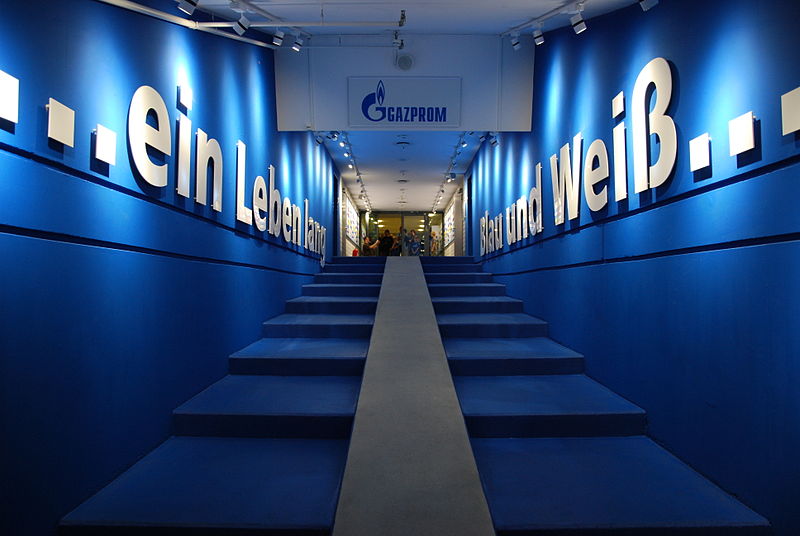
[(405, 62)]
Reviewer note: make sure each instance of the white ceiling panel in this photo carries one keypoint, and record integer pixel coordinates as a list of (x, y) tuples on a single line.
[(423, 161)]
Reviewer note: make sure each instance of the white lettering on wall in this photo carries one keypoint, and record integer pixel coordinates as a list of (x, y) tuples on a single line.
[(657, 73), (150, 142), (596, 171), (208, 153), (141, 135), (566, 180)]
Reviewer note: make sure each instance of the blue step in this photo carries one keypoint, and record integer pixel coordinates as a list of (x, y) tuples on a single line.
[(477, 304), (316, 325), (357, 260), (225, 486), (458, 277), (545, 406), (301, 357), (426, 261), (491, 325), (341, 290), (349, 278), (602, 486), (466, 289), (507, 357), (314, 407), (354, 268), (332, 304), (452, 268)]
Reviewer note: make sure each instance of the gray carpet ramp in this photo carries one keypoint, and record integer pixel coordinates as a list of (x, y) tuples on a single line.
[(410, 467)]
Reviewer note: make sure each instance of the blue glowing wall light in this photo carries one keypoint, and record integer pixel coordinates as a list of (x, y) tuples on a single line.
[(95, 67), (725, 63)]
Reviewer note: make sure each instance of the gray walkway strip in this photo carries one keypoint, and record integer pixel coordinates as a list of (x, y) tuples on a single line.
[(410, 469)]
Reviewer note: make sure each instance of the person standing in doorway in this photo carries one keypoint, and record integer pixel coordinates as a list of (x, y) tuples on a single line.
[(435, 245), (413, 244), (385, 243), (395, 251), (403, 242), (369, 247)]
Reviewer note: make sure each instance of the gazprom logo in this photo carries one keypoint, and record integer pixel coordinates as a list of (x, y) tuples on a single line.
[(372, 107), (381, 92)]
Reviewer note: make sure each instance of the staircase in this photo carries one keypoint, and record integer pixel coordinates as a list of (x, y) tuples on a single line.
[(557, 452), (263, 450)]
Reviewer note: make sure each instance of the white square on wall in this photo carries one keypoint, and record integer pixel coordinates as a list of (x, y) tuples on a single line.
[(618, 105), (60, 123), (700, 152), (790, 111), (9, 97), (185, 96), (741, 133), (106, 145)]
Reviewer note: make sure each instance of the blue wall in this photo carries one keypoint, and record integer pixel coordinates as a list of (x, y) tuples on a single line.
[(120, 301), (684, 299)]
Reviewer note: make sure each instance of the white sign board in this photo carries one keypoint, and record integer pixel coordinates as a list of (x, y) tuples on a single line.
[(404, 103)]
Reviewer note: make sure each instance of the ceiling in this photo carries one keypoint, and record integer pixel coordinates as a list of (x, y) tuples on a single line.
[(403, 170), (491, 17), (425, 158)]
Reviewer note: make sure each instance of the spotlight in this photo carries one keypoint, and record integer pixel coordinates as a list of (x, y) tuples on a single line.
[(464, 143), (578, 24), (342, 143), (647, 4), (538, 37), (482, 138), (298, 44), (350, 166), (277, 39), (347, 155), (494, 141), (187, 6), (515, 44), (241, 25), (333, 135), (318, 139)]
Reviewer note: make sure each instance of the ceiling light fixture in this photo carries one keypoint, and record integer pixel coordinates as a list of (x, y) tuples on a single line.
[(298, 44), (578, 24), (277, 39), (538, 35), (344, 141), (187, 6), (241, 25), (515, 43), (647, 4)]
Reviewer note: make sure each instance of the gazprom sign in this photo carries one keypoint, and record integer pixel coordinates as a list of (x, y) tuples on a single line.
[(404, 103)]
